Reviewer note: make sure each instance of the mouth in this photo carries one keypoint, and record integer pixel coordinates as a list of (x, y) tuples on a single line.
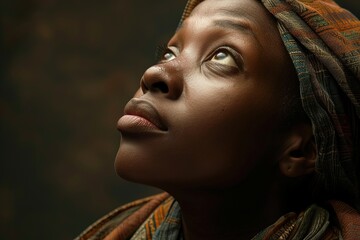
[(140, 116)]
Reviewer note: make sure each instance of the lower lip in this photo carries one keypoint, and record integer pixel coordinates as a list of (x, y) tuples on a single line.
[(136, 124)]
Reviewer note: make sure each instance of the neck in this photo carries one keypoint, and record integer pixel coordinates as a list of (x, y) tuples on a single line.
[(241, 211), (229, 214)]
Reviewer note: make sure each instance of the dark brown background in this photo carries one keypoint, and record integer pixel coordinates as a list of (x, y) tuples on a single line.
[(67, 69)]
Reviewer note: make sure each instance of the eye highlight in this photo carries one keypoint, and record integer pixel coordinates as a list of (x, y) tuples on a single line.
[(168, 56)]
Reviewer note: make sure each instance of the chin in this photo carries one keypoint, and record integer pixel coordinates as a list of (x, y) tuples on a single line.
[(124, 168), (131, 168)]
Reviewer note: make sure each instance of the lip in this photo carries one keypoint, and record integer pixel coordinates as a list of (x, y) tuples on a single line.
[(140, 116)]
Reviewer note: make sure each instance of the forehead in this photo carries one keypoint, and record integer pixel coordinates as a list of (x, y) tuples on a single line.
[(251, 9), (250, 13)]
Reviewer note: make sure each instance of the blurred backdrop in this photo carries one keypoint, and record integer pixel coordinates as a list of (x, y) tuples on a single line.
[(67, 69)]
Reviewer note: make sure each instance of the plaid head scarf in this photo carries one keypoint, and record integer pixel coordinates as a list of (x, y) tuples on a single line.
[(323, 41)]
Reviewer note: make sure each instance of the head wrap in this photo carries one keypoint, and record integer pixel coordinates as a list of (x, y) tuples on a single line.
[(323, 41)]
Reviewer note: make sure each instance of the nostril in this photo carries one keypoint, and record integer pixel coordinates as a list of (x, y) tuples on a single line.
[(161, 86)]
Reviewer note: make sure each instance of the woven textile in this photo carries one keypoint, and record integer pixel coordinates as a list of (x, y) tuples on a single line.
[(323, 41)]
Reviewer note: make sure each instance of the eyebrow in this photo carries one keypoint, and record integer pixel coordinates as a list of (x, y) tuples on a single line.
[(234, 25), (240, 26)]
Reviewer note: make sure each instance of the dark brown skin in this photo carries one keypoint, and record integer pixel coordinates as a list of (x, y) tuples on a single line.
[(204, 125)]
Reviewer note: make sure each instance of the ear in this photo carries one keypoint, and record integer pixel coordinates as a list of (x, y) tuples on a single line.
[(299, 153)]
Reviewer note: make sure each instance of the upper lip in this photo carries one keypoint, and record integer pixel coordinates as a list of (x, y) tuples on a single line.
[(144, 109)]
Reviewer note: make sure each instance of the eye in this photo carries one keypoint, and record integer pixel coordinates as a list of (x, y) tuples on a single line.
[(168, 55), (164, 54), (223, 56)]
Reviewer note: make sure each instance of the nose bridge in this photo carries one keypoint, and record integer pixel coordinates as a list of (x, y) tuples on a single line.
[(165, 78)]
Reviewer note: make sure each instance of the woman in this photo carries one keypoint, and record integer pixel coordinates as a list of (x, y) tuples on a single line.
[(253, 133)]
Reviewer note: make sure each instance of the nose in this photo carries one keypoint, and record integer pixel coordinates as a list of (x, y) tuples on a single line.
[(165, 79)]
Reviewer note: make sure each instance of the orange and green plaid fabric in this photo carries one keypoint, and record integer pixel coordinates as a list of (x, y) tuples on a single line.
[(163, 217), (323, 41)]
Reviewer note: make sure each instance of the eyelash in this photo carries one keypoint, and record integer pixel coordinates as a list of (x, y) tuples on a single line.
[(228, 50), (161, 49)]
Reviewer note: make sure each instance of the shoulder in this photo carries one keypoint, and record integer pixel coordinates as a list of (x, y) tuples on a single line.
[(124, 220)]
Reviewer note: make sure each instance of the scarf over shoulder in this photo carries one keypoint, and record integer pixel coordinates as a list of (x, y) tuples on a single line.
[(159, 218)]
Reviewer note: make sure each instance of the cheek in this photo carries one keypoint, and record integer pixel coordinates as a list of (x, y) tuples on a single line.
[(227, 140)]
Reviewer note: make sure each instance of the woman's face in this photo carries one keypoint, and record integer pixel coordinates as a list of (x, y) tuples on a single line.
[(209, 111)]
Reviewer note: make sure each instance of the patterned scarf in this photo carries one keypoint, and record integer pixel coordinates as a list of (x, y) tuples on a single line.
[(159, 218), (312, 224), (323, 41)]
